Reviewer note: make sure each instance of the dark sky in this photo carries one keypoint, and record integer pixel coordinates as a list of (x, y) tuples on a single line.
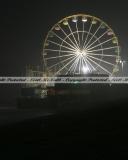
[(24, 25)]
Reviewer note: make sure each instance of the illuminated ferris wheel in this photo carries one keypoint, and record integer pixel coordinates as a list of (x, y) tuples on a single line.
[(81, 44)]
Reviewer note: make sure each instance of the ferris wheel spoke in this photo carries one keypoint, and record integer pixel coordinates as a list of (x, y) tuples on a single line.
[(89, 66), (93, 35), (59, 56), (49, 68), (89, 63), (75, 66), (84, 59), (68, 37), (87, 35), (97, 50), (60, 45), (100, 44), (88, 46), (65, 66), (78, 34), (102, 60), (73, 35), (78, 64), (79, 67), (83, 32), (104, 69), (63, 40), (71, 67), (82, 64), (86, 64), (104, 55), (57, 50)]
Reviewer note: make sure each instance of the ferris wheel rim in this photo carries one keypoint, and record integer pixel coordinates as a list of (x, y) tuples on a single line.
[(88, 16)]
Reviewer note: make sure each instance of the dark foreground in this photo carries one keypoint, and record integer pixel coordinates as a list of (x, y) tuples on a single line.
[(100, 132)]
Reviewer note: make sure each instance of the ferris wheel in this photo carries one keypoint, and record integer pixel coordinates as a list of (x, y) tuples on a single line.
[(81, 44)]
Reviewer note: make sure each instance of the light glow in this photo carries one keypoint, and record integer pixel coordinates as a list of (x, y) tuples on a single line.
[(85, 70)]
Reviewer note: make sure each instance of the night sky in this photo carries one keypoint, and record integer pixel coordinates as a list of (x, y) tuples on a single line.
[(24, 25)]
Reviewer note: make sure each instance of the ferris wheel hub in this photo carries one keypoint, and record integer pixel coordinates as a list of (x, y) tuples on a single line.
[(81, 52)]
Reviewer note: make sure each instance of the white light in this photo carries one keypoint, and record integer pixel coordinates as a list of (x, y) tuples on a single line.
[(85, 69), (74, 19), (84, 19)]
